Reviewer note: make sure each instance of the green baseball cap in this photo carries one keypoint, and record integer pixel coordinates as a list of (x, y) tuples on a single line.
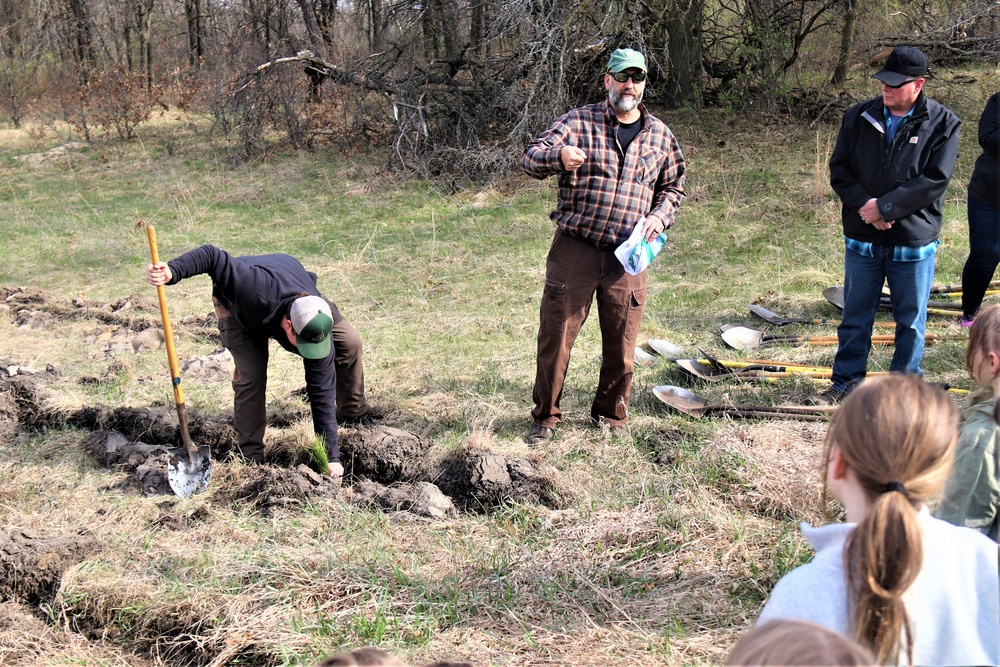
[(622, 59), (312, 322)]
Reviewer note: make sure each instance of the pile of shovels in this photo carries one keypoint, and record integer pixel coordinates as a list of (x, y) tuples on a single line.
[(741, 337)]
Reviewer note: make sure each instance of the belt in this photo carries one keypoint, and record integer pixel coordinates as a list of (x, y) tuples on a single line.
[(593, 244)]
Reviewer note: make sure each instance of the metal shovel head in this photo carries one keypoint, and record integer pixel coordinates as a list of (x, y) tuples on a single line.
[(643, 358), (681, 399), (665, 348), (189, 476), (698, 369), (770, 316), (835, 295), (742, 338)]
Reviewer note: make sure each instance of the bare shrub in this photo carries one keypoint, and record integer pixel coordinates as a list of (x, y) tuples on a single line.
[(113, 100)]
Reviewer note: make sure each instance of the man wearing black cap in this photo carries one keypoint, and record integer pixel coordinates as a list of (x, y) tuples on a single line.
[(618, 167), (264, 297), (890, 167)]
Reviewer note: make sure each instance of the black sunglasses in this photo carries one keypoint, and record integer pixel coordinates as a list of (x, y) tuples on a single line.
[(622, 77), (902, 84)]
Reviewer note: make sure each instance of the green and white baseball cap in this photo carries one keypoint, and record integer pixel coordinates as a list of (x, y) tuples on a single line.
[(623, 59), (312, 322)]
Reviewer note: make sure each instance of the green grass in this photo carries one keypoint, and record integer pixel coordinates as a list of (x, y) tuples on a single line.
[(669, 539)]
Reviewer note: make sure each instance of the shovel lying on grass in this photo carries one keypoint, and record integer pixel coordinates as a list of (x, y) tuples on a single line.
[(745, 338), (692, 404), (189, 472), (780, 320), (953, 290), (706, 371), (665, 348), (835, 295)]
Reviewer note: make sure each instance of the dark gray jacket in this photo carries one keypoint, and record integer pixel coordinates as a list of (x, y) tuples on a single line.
[(908, 179)]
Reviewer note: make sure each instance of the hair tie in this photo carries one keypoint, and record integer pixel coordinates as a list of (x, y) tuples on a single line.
[(895, 486)]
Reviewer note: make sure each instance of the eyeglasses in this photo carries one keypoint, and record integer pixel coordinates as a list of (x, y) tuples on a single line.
[(897, 87), (622, 77)]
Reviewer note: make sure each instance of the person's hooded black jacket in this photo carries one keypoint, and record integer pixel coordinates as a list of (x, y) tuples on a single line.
[(908, 179), (258, 292), (985, 183)]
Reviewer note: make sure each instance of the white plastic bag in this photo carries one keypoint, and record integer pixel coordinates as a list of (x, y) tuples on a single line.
[(635, 253)]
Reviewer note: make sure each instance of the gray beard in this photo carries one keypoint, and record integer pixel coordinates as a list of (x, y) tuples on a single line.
[(624, 105)]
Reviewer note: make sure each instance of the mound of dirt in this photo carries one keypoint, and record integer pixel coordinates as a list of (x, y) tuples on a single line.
[(146, 465), (31, 567), (383, 454), (423, 498), (32, 308), (216, 367), (478, 479), (265, 488)]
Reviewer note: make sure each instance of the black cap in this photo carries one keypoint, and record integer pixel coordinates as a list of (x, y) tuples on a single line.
[(905, 63)]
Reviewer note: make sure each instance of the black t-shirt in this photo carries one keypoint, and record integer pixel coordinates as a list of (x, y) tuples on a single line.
[(627, 132)]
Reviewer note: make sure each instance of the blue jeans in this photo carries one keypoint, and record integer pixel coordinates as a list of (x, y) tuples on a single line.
[(910, 286), (984, 254)]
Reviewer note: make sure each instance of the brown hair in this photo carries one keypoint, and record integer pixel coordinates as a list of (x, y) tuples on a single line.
[(786, 642), (897, 435), (363, 656), (984, 337)]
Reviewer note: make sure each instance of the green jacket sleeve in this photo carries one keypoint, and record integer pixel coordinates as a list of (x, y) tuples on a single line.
[(972, 493)]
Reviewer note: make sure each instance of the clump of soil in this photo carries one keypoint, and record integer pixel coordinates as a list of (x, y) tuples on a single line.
[(423, 498), (146, 464), (32, 308), (383, 454), (478, 479), (266, 488), (31, 567)]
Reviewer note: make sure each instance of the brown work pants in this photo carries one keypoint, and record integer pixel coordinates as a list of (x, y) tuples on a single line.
[(575, 271), (250, 354)]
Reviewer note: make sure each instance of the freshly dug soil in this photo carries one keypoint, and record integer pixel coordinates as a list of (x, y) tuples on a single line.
[(383, 454), (423, 498), (266, 488), (31, 566)]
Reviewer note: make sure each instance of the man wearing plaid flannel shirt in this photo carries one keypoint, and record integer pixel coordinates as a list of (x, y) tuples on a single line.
[(616, 164)]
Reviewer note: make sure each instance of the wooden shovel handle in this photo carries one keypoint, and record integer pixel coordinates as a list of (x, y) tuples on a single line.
[(168, 335)]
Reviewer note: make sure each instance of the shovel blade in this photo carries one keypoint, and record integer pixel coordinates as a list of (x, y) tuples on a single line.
[(189, 475), (681, 399), (770, 316), (643, 358), (743, 338), (835, 295), (665, 348), (698, 369)]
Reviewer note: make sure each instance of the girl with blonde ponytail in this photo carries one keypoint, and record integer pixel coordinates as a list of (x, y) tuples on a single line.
[(972, 495), (912, 589)]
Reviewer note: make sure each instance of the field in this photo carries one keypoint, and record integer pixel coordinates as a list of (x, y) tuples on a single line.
[(653, 549)]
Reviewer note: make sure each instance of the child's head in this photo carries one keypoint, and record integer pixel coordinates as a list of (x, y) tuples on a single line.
[(984, 340), (897, 436), (787, 643), (363, 656), (896, 428)]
